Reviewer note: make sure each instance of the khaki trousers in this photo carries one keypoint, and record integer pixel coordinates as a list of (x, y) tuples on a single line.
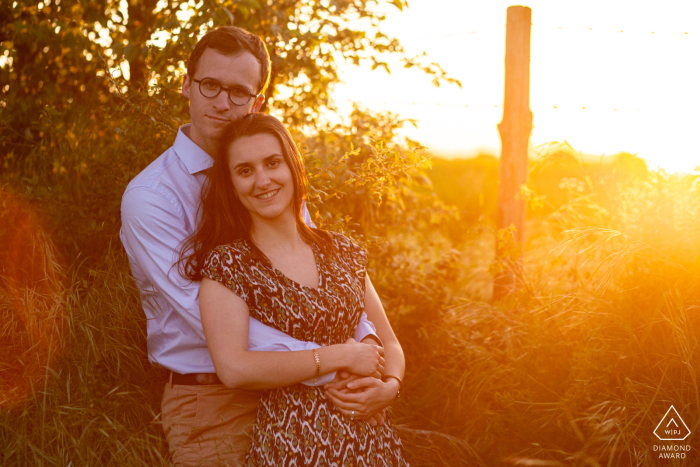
[(208, 425)]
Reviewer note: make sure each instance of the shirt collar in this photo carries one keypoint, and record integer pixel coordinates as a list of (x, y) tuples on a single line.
[(195, 158)]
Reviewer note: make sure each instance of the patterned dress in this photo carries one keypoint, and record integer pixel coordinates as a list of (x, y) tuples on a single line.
[(297, 425)]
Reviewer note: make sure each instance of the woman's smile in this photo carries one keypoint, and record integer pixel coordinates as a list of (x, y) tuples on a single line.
[(268, 194)]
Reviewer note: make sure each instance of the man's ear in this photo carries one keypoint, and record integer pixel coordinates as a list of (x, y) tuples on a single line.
[(186, 86), (258, 103)]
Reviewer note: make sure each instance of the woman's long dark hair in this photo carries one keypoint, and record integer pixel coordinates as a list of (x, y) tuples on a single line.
[(224, 219)]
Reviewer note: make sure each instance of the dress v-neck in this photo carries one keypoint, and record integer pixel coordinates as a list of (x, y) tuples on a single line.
[(293, 282)]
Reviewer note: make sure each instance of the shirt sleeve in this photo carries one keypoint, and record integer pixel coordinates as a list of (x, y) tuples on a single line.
[(307, 216), (366, 328), (152, 231)]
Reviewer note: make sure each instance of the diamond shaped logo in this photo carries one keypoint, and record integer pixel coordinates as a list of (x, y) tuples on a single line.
[(672, 427)]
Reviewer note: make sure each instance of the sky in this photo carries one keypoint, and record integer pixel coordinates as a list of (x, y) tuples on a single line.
[(633, 65)]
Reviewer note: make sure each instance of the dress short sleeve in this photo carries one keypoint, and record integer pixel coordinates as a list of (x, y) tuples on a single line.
[(351, 254), (223, 264)]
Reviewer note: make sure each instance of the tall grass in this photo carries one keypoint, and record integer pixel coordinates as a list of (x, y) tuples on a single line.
[(99, 401), (580, 367), (77, 388)]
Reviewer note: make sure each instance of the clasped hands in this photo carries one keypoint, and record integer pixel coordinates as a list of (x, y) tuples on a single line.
[(362, 397)]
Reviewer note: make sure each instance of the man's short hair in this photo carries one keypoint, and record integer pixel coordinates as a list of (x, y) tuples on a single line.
[(230, 40)]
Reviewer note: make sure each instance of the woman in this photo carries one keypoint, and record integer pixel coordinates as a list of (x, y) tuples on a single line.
[(259, 258)]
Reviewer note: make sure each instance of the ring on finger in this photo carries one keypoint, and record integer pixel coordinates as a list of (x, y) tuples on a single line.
[(352, 415)]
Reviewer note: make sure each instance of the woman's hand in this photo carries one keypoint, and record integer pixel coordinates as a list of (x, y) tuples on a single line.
[(363, 398), (363, 359)]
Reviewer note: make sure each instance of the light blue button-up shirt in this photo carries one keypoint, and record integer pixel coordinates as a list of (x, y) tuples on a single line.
[(159, 211)]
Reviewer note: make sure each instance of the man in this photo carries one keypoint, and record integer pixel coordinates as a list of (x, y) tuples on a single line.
[(227, 75)]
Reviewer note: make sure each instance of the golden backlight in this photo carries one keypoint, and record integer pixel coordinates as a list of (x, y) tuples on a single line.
[(605, 76)]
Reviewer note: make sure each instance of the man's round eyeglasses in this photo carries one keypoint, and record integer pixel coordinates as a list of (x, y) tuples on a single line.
[(238, 95)]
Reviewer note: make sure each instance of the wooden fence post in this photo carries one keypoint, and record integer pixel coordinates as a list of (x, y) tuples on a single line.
[(515, 136)]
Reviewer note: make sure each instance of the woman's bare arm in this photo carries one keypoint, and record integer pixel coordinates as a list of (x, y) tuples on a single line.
[(393, 353), (225, 320)]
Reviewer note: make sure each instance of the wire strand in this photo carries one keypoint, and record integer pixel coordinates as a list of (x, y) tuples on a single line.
[(482, 105), (657, 33)]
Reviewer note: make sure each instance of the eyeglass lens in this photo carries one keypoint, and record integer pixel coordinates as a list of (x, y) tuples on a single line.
[(211, 88)]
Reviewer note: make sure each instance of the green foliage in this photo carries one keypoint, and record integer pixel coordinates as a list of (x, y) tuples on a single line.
[(50, 53), (378, 183)]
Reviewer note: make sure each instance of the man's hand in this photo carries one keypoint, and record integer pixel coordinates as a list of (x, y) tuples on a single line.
[(367, 397), (340, 382)]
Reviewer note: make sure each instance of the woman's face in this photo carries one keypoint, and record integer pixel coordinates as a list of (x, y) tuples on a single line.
[(261, 177)]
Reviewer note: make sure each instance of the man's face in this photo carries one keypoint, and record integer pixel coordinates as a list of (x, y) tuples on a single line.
[(209, 116)]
